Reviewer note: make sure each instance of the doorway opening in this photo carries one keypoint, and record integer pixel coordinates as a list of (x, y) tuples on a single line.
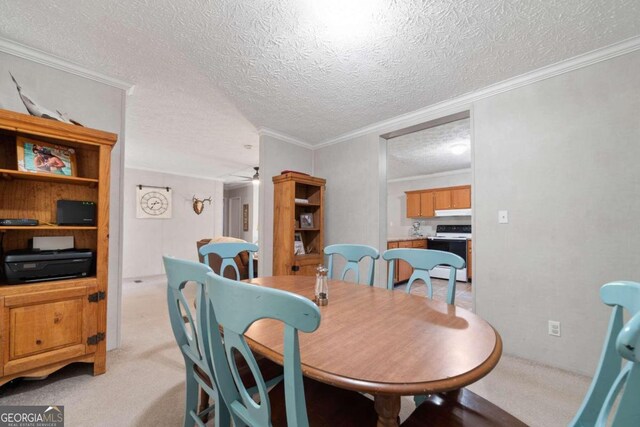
[(241, 211), (429, 189)]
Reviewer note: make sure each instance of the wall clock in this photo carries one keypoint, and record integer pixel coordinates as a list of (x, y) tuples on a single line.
[(153, 202)]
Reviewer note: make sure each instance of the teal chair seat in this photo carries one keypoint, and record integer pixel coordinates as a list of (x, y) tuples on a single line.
[(236, 306), (353, 254), (422, 261), (617, 377)]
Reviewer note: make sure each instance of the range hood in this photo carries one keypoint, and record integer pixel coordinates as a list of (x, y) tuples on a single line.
[(453, 212)]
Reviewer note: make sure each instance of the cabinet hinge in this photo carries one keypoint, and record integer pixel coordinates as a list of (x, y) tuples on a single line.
[(95, 339), (96, 296)]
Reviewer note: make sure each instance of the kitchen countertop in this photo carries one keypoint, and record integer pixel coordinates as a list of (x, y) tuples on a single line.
[(397, 239)]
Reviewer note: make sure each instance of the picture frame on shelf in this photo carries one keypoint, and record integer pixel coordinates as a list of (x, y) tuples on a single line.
[(43, 157), (298, 244), (306, 220)]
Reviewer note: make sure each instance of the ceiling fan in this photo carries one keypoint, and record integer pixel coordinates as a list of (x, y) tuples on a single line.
[(255, 178)]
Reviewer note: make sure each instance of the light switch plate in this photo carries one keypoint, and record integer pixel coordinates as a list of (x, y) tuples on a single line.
[(503, 217)]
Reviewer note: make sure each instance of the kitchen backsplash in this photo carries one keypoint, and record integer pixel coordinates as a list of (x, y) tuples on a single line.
[(427, 226)]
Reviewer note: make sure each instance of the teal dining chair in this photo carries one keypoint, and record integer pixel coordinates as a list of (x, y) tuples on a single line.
[(613, 382), (227, 252), (236, 306), (192, 340), (422, 261), (353, 254)]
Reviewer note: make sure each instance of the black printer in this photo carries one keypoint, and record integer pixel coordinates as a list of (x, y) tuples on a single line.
[(28, 265)]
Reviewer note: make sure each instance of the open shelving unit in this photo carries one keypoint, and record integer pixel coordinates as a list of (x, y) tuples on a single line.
[(47, 325), (287, 188)]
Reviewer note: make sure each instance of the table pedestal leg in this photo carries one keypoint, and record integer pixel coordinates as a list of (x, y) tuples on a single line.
[(388, 409)]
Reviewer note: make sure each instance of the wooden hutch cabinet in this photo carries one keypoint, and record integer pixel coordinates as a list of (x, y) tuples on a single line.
[(47, 325), (296, 194)]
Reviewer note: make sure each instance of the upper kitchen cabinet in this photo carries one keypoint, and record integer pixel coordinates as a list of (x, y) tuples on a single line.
[(420, 204), (461, 197), (424, 203), (453, 198)]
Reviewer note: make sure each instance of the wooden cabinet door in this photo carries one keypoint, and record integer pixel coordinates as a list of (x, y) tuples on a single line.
[(427, 204), (461, 198), (419, 244), (403, 268), (307, 265), (413, 205), (442, 199), (46, 327)]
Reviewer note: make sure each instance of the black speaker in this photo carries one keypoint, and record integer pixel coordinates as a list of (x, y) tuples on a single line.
[(75, 212)]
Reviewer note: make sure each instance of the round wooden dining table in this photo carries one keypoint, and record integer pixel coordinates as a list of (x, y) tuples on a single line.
[(386, 343)]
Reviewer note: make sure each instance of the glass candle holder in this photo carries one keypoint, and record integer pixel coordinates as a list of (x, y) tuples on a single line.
[(322, 286)]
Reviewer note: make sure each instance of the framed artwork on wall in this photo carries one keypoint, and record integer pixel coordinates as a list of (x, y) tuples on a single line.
[(245, 217)]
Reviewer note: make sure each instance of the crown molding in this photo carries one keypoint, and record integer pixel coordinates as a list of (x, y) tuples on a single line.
[(463, 102), (22, 51), (263, 131), (431, 175), (165, 172)]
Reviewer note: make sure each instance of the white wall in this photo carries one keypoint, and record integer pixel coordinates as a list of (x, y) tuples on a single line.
[(355, 188), (398, 225), (561, 155), (147, 240), (275, 156), (96, 105), (248, 196)]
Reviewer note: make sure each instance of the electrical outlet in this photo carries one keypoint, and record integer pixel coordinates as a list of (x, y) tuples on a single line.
[(554, 328)]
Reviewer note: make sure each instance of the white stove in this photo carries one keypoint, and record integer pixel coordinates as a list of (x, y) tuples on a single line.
[(450, 238)]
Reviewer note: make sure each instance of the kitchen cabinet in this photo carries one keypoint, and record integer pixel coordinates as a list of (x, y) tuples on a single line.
[(413, 205), (443, 199), (420, 204), (424, 203), (461, 197)]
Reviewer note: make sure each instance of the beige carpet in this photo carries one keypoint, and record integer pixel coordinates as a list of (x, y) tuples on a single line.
[(143, 385)]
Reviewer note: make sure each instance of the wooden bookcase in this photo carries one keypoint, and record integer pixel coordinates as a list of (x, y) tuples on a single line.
[(287, 188), (47, 325)]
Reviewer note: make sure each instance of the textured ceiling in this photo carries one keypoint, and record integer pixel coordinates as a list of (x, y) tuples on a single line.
[(209, 72), (429, 151), (177, 119)]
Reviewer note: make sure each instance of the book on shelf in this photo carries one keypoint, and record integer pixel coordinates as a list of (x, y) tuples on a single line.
[(302, 201)]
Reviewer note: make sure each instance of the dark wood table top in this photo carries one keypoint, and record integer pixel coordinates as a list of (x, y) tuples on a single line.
[(383, 342)]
